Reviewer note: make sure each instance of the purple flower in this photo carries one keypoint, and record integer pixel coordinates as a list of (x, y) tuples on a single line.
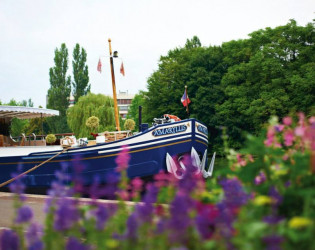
[(189, 180), (179, 248), (275, 195), (161, 226), (273, 242), (234, 198), (17, 186), (272, 219), (95, 189), (66, 214), (101, 215), (9, 240), (234, 194), (24, 214), (78, 165), (111, 187), (33, 236), (38, 245), (180, 220), (144, 210), (74, 243), (132, 226), (205, 219), (205, 229), (260, 178)]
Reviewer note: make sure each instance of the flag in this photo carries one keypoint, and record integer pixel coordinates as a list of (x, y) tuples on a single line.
[(122, 70), (99, 66), (185, 99)]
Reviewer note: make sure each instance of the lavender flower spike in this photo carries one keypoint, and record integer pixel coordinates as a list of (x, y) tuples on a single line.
[(9, 240), (24, 214)]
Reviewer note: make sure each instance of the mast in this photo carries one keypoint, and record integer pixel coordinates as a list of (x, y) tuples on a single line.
[(114, 85)]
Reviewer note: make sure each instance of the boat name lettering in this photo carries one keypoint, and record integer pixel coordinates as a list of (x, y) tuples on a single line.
[(171, 130), (202, 129)]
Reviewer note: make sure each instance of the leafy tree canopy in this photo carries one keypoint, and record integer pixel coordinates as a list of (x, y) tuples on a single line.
[(98, 105), (239, 84), (59, 91), (133, 112), (19, 126), (80, 84)]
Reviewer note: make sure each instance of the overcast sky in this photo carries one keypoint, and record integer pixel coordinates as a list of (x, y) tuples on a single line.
[(141, 31)]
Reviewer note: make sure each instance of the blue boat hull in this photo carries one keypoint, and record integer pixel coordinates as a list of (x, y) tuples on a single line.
[(147, 152)]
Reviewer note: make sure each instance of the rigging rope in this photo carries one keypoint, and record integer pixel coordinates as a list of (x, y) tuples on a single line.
[(33, 168)]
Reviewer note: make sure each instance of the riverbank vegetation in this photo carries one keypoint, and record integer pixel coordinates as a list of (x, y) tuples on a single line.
[(264, 198)]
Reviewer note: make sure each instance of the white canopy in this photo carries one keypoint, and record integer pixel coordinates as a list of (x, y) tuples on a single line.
[(25, 112)]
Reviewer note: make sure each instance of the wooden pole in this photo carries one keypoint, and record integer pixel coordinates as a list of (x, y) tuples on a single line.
[(114, 85)]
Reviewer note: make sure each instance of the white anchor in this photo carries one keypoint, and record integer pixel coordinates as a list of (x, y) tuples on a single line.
[(199, 165)]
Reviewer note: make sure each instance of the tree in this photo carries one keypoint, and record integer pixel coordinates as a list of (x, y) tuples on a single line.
[(19, 126), (133, 112), (80, 84), (239, 84), (99, 105), (201, 69), (270, 74), (59, 91), (193, 43)]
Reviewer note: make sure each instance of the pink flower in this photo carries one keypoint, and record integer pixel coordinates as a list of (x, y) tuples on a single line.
[(137, 184), (287, 120), (123, 194), (285, 157), (288, 137), (162, 179), (261, 178), (270, 137), (279, 127), (299, 131), (240, 161), (122, 159), (312, 120), (250, 158), (310, 136), (159, 210), (301, 119)]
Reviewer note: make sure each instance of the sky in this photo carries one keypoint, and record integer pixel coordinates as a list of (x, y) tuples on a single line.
[(141, 31)]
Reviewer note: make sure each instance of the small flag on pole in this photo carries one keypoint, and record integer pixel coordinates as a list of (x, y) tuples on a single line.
[(185, 99), (122, 70), (99, 66)]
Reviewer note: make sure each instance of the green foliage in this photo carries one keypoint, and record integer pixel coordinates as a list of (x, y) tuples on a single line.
[(99, 105), (80, 84), (133, 112), (19, 126), (201, 69), (266, 201), (50, 138), (239, 84), (129, 124), (59, 91)]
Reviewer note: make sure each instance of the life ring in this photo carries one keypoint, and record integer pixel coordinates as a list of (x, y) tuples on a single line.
[(172, 117)]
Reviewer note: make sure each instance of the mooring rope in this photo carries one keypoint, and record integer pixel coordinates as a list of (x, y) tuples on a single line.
[(33, 168)]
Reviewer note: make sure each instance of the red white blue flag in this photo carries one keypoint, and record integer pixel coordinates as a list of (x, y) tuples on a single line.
[(185, 99)]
